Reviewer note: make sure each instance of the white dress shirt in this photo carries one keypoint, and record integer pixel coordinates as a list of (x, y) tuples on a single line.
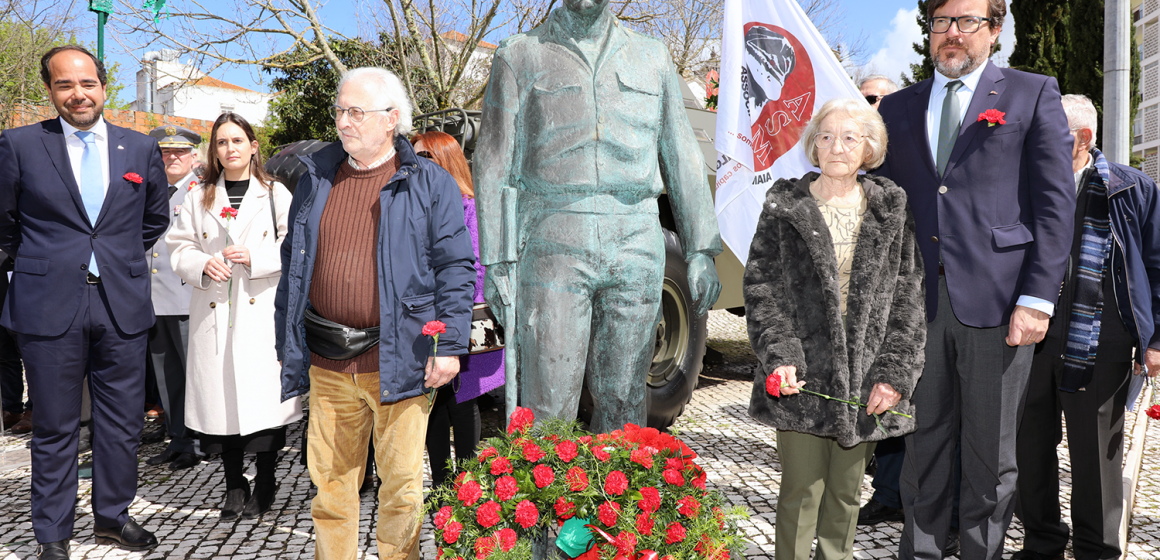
[(966, 93), (76, 149)]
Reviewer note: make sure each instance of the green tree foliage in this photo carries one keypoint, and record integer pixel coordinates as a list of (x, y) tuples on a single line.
[(1085, 54), (924, 69), (306, 92), (1041, 37)]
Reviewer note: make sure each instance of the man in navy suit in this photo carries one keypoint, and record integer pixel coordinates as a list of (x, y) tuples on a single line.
[(984, 156), (80, 200)]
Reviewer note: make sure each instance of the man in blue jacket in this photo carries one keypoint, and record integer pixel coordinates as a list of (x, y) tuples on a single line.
[(377, 244), (1107, 310)]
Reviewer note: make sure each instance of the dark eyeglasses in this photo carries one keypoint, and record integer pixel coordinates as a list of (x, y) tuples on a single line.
[(967, 24), (425, 154), (872, 99)]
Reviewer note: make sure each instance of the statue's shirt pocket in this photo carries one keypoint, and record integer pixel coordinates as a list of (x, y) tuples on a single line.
[(640, 99)]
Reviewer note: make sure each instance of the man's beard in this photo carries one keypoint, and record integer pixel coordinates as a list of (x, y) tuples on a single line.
[(959, 67), (83, 121)]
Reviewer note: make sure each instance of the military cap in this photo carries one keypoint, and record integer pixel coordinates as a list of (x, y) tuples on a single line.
[(173, 136)]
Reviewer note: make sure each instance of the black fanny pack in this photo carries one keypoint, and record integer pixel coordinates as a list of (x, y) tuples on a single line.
[(335, 341)]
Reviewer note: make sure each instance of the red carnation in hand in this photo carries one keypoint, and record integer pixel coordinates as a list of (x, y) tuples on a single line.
[(615, 483), (451, 532), (133, 178), (484, 547), (442, 517), (674, 477), (470, 493), (433, 328), (650, 499), (644, 524), (577, 479), (543, 476), (521, 420), (527, 514), (1154, 412), (487, 454), (608, 512), (506, 487), (626, 543), (674, 533), (500, 465), (688, 506), (507, 538), (532, 452), (488, 514), (992, 116), (601, 454), (773, 384), (566, 450), (642, 458), (229, 212), (564, 508)]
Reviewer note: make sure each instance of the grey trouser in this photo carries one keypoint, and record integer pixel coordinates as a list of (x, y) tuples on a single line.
[(168, 340), (589, 303), (973, 384)]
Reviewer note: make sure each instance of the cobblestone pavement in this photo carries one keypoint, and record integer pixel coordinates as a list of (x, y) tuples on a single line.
[(739, 455)]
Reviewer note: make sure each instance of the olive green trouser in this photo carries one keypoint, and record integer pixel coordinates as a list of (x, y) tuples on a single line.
[(344, 412), (821, 489)]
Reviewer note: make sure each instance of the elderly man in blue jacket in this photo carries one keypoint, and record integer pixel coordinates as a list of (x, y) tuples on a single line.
[(1107, 312), (376, 248)]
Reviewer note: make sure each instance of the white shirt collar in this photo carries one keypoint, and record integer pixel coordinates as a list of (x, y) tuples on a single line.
[(100, 129), (970, 81), (380, 161)]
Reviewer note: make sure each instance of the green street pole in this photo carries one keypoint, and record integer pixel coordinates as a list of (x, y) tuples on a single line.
[(102, 8)]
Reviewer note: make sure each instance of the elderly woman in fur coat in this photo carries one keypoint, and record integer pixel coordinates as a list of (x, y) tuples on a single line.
[(834, 301)]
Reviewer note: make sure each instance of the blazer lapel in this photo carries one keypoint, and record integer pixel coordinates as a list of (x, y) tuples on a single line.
[(253, 203), (54, 144), (990, 81), (221, 200), (117, 155), (916, 114)]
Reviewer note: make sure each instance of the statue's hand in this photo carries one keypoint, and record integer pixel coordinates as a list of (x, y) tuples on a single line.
[(703, 282), (497, 286)]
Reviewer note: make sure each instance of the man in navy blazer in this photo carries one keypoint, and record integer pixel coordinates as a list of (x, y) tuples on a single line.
[(984, 156), (80, 200)]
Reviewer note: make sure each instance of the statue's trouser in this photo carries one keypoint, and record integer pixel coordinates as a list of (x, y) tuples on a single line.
[(589, 293)]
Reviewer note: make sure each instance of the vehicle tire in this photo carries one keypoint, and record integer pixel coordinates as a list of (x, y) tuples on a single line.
[(678, 349)]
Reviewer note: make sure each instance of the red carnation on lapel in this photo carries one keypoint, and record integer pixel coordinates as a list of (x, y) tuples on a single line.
[(992, 116), (133, 178)]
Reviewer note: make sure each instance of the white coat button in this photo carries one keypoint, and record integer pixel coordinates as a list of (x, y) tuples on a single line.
[(942, 189)]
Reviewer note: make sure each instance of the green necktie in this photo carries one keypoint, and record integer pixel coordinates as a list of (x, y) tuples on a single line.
[(948, 128)]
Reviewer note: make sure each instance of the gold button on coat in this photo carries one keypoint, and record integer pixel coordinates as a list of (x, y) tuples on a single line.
[(212, 304), (155, 255), (934, 238), (204, 235), (154, 271), (251, 301)]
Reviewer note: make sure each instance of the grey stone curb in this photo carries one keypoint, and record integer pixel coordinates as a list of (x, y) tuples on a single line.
[(1134, 460)]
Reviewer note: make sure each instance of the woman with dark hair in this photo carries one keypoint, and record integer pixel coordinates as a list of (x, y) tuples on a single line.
[(455, 406), (226, 243)]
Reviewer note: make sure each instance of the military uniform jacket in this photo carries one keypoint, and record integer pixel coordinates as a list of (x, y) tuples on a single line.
[(171, 294), (593, 135)]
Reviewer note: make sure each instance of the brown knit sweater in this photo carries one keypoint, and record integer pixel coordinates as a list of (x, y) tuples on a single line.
[(344, 287)]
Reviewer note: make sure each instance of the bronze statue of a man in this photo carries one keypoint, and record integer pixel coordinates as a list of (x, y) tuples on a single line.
[(583, 126)]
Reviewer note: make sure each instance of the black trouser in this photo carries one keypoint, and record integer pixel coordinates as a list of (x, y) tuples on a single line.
[(448, 415), (168, 340)]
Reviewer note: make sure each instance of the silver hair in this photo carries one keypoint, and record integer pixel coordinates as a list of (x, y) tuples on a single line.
[(891, 86), (388, 88), (1081, 113), (857, 109)]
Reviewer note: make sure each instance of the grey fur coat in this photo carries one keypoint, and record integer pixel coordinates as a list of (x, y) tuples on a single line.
[(794, 318)]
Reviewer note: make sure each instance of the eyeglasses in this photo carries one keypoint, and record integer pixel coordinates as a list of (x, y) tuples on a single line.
[(356, 114), (872, 99), (967, 24), (849, 140), (425, 154)]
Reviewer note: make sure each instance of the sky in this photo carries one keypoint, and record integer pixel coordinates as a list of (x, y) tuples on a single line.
[(887, 26)]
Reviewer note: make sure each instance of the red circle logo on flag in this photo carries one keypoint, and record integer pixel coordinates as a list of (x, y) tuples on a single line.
[(777, 79)]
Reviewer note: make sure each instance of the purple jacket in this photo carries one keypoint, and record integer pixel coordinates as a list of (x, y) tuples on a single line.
[(473, 229)]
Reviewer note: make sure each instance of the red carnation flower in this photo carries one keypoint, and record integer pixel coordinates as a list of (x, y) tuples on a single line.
[(601, 454), (543, 475), (719, 514), (229, 212), (644, 524), (608, 512), (615, 483), (451, 532), (577, 479), (674, 533), (506, 487), (527, 514), (488, 514), (674, 464), (586, 440), (650, 499), (674, 477), (773, 384), (1154, 412), (566, 450), (484, 547), (507, 538), (487, 454), (133, 178), (688, 506), (992, 116), (442, 517), (460, 478), (521, 420), (626, 543), (470, 493), (532, 452), (564, 508), (500, 465), (641, 457), (698, 481), (433, 328)]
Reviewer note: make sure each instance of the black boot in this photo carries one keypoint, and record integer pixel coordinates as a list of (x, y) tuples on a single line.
[(264, 486), (237, 487)]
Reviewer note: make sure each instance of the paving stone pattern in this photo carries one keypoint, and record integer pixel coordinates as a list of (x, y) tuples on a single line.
[(738, 454)]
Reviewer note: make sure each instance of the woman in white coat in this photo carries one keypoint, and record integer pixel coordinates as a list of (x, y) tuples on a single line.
[(226, 244)]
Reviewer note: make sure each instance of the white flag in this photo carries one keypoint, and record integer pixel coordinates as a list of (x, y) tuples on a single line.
[(775, 70)]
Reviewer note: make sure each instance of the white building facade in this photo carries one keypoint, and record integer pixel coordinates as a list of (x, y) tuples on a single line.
[(1146, 127), (168, 87)]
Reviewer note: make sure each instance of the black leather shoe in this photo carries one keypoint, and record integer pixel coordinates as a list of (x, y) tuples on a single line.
[(161, 458), (129, 536), (259, 502), (952, 546), (184, 461), (235, 500), (1032, 555), (152, 436), (53, 551), (874, 512)]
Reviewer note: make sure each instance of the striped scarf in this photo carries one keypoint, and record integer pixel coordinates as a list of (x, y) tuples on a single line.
[(1083, 329)]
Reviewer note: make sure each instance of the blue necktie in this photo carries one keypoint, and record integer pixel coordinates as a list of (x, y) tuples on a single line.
[(92, 192)]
